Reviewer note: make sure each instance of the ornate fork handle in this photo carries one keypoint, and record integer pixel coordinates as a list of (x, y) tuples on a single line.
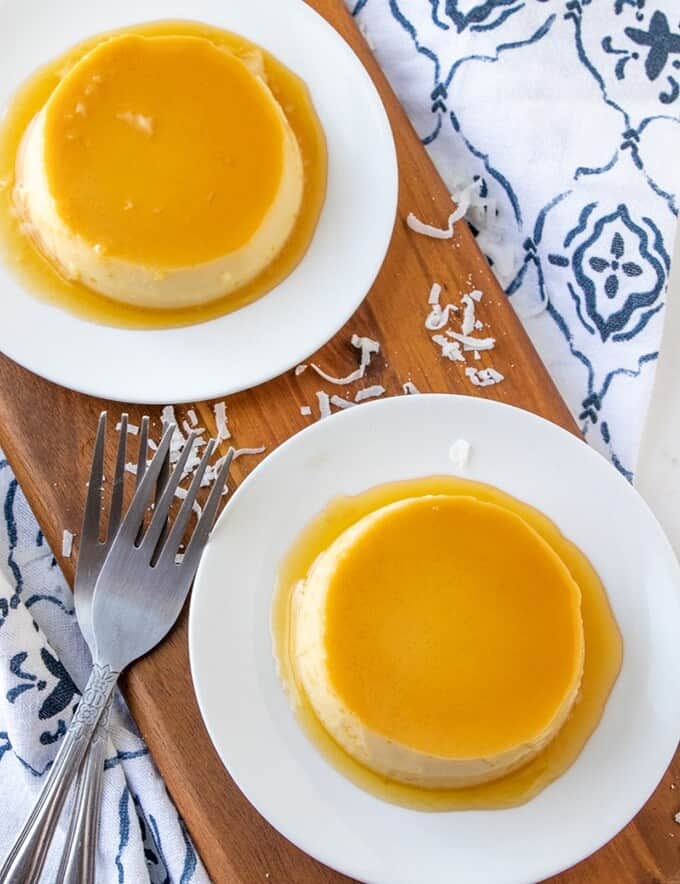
[(27, 857), (77, 864)]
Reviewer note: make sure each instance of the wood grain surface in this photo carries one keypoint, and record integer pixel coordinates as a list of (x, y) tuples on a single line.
[(47, 433)]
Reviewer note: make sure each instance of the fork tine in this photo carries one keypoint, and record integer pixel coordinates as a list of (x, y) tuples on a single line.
[(171, 546), (143, 450), (140, 500), (118, 479), (163, 477), (141, 469), (89, 532), (202, 530), (162, 508)]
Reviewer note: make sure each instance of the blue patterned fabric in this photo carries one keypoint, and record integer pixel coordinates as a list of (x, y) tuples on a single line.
[(42, 657), (567, 113)]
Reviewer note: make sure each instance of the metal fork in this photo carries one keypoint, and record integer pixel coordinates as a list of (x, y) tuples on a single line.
[(77, 864), (138, 596)]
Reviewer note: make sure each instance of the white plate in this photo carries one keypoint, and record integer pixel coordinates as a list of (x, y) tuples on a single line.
[(272, 334), (282, 773)]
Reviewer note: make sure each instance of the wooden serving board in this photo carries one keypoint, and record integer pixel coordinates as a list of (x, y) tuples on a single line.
[(47, 432)]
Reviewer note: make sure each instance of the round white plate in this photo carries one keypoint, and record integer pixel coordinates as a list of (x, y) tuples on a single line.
[(272, 334), (283, 774)]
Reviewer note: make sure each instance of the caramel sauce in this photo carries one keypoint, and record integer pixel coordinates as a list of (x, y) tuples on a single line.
[(603, 651), (38, 276)]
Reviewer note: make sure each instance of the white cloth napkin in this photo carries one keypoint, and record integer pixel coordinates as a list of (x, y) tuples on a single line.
[(566, 115)]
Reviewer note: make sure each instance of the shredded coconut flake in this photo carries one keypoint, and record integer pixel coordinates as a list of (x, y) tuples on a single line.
[(459, 453), (324, 404), (469, 322), (212, 471), (449, 349), (484, 377), (677, 817), (299, 369), (438, 316), (193, 460), (240, 452), (410, 388), (220, 411), (339, 402), (131, 468), (367, 347), (435, 292), (471, 343), (369, 393), (177, 442), (193, 419), (419, 226), (305, 410), (356, 375), (462, 200), (132, 429), (67, 544)]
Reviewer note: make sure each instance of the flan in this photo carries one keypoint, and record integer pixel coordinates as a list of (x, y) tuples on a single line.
[(439, 641), (161, 172)]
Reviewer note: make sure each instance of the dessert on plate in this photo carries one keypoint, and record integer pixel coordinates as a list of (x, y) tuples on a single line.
[(440, 641), (160, 172), (163, 174), (443, 644)]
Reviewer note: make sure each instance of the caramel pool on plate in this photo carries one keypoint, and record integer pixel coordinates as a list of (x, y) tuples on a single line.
[(443, 644)]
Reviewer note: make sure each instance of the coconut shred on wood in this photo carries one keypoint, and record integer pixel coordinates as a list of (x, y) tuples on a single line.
[(453, 345), (132, 429), (470, 321), (439, 316), (484, 377), (483, 212), (339, 402), (449, 349), (372, 392), (367, 348), (463, 204), (67, 544)]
